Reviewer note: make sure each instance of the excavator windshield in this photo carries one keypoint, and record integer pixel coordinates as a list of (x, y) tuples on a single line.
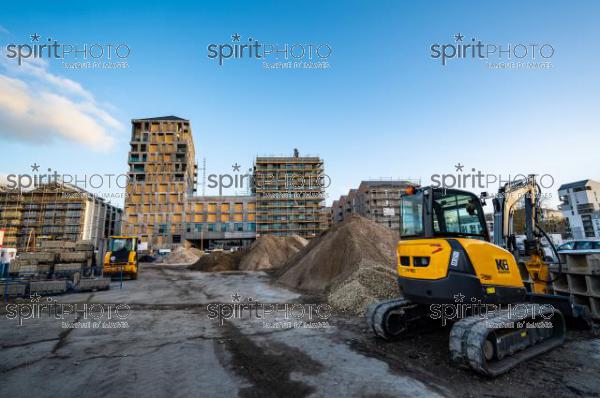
[(458, 214), (435, 212)]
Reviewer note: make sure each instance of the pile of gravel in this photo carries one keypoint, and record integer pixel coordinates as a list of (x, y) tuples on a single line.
[(353, 263), (218, 261), (271, 252), (367, 285), (181, 256), (266, 253)]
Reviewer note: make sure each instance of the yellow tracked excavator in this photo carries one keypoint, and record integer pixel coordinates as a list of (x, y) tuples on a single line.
[(501, 304)]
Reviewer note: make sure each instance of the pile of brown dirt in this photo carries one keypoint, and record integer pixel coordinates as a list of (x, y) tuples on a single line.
[(218, 261), (181, 255), (353, 263), (197, 252), (270, 252)]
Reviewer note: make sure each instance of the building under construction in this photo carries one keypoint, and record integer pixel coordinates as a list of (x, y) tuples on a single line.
[(290, 195), (220, 222), (162, 173), (55, 211), (162, 210), (377, 200)]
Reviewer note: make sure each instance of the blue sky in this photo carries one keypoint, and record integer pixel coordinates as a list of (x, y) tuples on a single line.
[(384, 108)]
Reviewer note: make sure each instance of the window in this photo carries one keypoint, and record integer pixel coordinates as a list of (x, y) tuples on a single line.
[(457, 214), (586, 245), (211, 228), (412, 215), (224, 227), (121, 244), (239, 227)]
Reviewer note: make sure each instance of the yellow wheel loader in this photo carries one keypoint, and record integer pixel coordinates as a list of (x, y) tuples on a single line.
[(121, 257), (501, 305)]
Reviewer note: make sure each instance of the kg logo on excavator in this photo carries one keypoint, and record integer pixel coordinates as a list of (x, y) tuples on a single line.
[(502, 265)]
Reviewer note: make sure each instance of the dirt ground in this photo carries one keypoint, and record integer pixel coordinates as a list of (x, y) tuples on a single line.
[(169, 346)]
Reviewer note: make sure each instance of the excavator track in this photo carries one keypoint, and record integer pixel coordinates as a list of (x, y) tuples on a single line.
[(394, 318), (494, 345)]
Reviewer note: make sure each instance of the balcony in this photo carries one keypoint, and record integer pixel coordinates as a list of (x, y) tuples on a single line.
[(586, 208), (136, 159)]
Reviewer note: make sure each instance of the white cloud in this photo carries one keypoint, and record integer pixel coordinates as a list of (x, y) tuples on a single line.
[(43, 116), (4, 30), (37, 106), (38, 69)]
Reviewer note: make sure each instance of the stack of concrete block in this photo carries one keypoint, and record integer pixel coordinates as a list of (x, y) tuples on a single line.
[(66, 268), (73, 261), (75, 257), (33, 263), (84, 245), (22, 267), (580, 279), (90, 284), (57, 245), (47, 286), (11, 288), (13, 267), (49, 267), (61, 258), (71, 257)]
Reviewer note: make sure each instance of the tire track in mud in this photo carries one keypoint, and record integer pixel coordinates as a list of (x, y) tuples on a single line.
[(62, 337), (402, 357), (267, 369)]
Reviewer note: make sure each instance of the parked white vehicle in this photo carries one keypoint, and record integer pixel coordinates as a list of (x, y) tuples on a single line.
[(580, 247)]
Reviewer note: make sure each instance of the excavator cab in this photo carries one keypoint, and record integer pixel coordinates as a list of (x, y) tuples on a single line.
[(439, 212), (444, 250)]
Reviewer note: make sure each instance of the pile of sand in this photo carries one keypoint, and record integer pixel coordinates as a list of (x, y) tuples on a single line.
[(270, 252), (182, 255), (218, 261), (267, 252), (353, 263)]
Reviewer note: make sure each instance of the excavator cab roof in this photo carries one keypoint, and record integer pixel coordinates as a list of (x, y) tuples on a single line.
[(432, 212)]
